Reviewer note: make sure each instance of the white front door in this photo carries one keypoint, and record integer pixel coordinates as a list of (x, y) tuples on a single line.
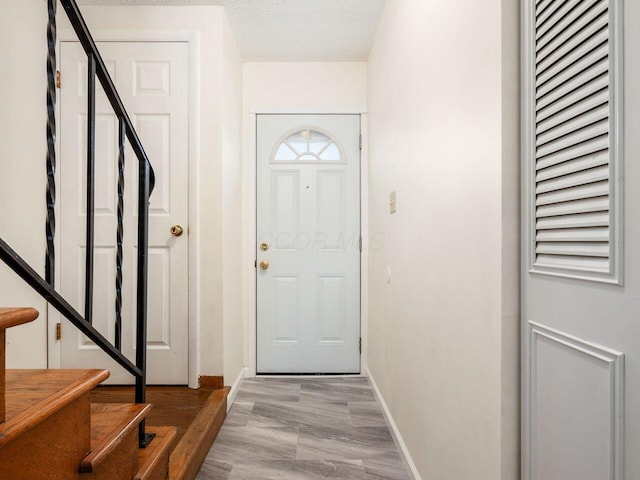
[(308, 251), (152, 81), (581, 284)]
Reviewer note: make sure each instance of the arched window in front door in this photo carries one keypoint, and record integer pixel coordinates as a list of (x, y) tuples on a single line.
[(308, 145)]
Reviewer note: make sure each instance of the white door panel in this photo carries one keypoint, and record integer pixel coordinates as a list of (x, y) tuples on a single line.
[(308, 299), (581, 278), (152, 81)]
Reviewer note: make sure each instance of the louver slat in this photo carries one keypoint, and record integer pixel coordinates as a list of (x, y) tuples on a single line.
[(572, 60), (593, 77), (550, 106), (575, 124), (573, 166), (574, 235), (576, 193), (588, 61), (581, 178), (580, 249), (574, 139), (595, 204), (553, 20), (588, 147), (572, 126), (591, 264), (581, 107), (546, 9), (570, 12), (563, 42), (543, 4), (597, 219)]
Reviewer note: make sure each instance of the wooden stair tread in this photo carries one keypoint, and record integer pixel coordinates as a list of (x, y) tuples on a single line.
[(149, 458), (11, 317), (186, 459), (34, 395), (110, 423)]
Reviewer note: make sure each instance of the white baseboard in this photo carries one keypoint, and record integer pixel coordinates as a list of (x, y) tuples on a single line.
[(395, 433), (236, 386)]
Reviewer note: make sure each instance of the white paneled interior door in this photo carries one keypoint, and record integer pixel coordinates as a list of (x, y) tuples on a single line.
[(581, 249), (308, 244), (152, 80)]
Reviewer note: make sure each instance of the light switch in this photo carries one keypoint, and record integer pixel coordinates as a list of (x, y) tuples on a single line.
[(392, 202)]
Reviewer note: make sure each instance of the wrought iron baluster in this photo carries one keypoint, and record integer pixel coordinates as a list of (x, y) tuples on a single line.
[(91, 185), (144, 191), (120, 232), (50, 227)]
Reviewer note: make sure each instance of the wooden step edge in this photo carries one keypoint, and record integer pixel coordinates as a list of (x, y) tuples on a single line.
[(110, 424), (43, 409), (150, 458), (187, 458), (12, 317)]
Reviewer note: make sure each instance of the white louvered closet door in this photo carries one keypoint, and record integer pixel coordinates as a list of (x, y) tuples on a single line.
[(581, 204), (575, 208)]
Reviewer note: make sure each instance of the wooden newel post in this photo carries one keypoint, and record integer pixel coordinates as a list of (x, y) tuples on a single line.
[(10, 317)]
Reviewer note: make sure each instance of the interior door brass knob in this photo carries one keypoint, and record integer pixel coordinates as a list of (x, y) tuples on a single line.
[(264, 265), (176, 230)]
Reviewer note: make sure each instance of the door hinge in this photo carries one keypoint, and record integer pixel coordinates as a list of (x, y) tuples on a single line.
[(58, 79), (58, 331), (360, 345), (360, 243), (360, 142)]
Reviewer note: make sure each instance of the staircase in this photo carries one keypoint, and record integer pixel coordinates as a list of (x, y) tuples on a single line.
[(49, 429)]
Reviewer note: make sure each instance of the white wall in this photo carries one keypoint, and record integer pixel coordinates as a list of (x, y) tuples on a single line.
[(232, 207), (305, 87), (439, 135), (287, 87), (23, 145)]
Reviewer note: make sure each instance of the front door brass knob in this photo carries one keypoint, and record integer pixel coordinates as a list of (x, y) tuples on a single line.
[(264, 265), (176, 230)]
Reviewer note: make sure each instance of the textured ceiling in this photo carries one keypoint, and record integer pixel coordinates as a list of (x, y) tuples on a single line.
[(319, 30), (292, 30)]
